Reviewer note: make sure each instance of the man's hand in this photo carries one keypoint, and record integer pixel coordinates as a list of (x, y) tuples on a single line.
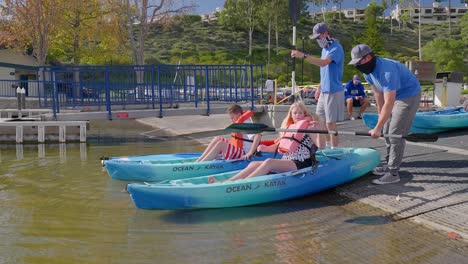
[(375, 133), (297, 54)]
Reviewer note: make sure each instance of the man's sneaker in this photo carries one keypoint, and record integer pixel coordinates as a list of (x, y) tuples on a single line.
[(380, 171), (387, 178), (359, 117)]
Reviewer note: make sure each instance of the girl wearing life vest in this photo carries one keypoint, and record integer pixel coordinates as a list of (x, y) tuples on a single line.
[(240, 146), (298, 155)]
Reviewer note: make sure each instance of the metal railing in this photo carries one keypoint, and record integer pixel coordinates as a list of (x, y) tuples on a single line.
[(155, 86)]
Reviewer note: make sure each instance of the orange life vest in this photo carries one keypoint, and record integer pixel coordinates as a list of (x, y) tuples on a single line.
[(237, 138), (290, 141)]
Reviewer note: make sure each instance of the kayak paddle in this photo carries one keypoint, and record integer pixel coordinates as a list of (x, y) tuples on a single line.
[(256, 128)]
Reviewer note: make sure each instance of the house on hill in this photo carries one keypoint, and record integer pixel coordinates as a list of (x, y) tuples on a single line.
[(16, 69)]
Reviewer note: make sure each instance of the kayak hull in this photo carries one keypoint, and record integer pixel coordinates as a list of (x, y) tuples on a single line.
[(155, 157), (343, 165), (429, 122), (160, 170)]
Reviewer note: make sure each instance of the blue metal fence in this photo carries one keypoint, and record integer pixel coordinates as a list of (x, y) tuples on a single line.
[(151, 85)]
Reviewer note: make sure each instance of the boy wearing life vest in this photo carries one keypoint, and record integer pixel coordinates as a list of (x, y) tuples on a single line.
[(240, 146), (298, 149)]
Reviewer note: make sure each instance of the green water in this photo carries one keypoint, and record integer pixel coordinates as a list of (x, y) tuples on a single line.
[(59, 206)]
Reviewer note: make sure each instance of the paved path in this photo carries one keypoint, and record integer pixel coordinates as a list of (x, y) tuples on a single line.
[(434, 181), (434, 176)]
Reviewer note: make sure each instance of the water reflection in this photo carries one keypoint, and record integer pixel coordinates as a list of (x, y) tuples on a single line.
[(19, 152), (41, 150), (57, 205)]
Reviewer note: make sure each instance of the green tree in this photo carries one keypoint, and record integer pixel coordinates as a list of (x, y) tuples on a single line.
[(139, 15), (449, 15), (371, 35), (243, 15), (386, 4), (33, 24), (464, 29), (447, 53), (273, 18), (88, 33)]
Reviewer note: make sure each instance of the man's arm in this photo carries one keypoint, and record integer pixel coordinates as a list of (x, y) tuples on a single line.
[(315, 61), (379, 99), (384, 112)]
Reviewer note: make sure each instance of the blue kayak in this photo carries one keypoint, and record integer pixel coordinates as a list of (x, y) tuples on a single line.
[(336, 166), (155, 157), (430, 122), (173, 168)]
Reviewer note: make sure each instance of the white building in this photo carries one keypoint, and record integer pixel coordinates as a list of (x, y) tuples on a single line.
[(355, 14), (211, 16), (431, 14)]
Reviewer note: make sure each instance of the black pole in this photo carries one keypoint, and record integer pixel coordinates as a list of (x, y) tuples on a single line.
[(302, 68)]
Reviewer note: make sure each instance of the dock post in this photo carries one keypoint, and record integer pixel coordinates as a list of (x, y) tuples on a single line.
[(40, 134), (83, 133), (62, 134), (19, 134)]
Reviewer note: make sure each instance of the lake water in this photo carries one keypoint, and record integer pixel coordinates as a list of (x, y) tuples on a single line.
[(58, 205)]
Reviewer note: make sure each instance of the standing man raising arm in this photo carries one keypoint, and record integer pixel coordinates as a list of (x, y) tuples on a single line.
[(397, 94), (330, 105)]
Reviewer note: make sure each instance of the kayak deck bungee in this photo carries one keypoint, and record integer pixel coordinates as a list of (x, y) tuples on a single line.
[(336, 166), (430, 122)]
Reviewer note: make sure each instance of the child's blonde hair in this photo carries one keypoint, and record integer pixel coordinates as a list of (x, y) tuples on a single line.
[(288, 120)]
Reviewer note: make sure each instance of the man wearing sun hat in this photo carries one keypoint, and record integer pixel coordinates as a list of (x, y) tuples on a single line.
[(330, 94), (397, 93)]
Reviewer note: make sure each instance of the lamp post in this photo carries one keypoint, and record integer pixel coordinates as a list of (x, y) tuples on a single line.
[(302, 68), (419, 33)]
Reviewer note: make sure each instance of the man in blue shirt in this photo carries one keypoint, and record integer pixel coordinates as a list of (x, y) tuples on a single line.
[(397, 94), (330, 94), (355, 97)]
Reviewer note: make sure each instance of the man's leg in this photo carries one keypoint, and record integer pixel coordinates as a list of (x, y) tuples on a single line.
[(334, 112), (402, 117), (349, 107), (364, 104)]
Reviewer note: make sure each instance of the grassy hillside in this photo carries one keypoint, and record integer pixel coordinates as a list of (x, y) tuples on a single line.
[(195, 42)]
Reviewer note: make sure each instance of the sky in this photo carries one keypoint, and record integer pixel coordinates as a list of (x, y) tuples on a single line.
[(208, 6)]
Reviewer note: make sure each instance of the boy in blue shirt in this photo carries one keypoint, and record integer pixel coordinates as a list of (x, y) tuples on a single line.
[(355, 97), (397, 94)]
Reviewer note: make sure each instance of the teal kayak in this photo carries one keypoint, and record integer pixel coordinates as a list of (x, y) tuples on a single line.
[(173, 168), (430, 122), (336, 166), (177, 157)]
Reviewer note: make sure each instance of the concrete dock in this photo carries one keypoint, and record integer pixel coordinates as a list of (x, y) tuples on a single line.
[(433, 189)]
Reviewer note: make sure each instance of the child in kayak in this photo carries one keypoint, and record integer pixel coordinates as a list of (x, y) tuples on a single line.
[(298, 149), (241, 146)]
